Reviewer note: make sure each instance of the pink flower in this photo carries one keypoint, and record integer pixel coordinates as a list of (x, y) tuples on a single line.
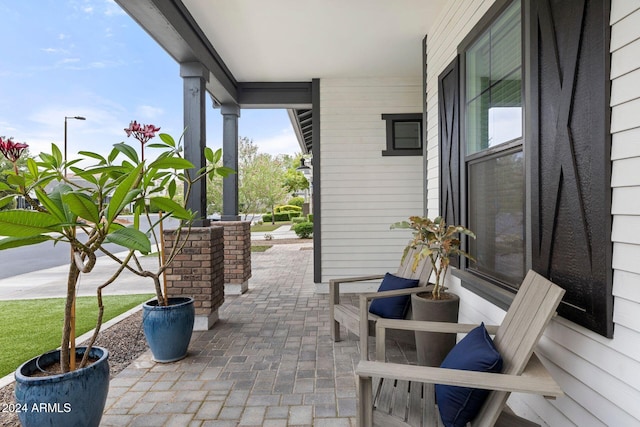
[(11, 150), (142, 133)]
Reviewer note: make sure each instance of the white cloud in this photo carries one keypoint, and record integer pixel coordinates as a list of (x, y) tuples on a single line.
[(147, 112), (284, 142)]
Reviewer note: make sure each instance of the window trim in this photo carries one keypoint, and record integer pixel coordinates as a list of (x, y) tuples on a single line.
[(489, 288), (390, 120)]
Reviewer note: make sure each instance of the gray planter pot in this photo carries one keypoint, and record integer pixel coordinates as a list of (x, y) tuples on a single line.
[(432, 347)]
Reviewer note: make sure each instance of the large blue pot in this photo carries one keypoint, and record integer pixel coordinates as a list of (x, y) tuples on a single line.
[(168, 328), (74, 399)]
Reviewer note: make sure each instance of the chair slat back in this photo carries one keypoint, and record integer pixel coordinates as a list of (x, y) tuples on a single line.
[(422, 271), (529, 314)]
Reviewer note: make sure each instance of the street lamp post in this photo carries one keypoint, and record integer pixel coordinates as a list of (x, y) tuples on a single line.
[(65, 138)]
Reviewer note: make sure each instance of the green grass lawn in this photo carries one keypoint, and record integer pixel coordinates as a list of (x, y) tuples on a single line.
[(260, 248), (33, 327), (267, 226)]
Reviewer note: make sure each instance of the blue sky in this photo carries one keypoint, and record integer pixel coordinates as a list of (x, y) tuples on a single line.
[(88, 58)]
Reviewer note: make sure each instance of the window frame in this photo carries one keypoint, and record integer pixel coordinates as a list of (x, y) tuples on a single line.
[(391, 120), (490, 287)]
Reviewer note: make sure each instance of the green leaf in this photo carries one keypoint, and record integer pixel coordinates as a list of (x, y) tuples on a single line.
[(16, 180), (33, 167), (120, 194), (216, 156), (112, 155), (82, 205), (131, 239), (4, 186), (52, 205), (208, 154), (4, 201), (57, 154), (167, 205), (171, 163), (172, 188), (93, 155), (167, 139), (19, 223), (15, 242), (224, 171), (128, 151)]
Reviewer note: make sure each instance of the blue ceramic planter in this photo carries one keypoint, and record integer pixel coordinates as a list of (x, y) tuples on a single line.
[(74, 399), (168, 329)]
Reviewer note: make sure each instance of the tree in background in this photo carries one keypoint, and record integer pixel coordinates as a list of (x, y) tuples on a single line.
[(262, 184), (294, 180), (262, 180)]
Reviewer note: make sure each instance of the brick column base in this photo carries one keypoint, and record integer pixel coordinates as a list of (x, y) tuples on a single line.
[(237, 256), (198, 271)]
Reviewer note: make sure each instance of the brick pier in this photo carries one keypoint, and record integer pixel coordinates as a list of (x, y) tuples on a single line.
[(198, 272)]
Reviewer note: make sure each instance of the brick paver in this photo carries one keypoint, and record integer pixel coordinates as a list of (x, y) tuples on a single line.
[(268, 361)]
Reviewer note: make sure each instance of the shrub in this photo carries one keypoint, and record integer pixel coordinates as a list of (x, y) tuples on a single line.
[(293, 214), (282, 216), (287, 208), (296, 201), (266, 218), (310, 217), (304, 230), (298, 220)]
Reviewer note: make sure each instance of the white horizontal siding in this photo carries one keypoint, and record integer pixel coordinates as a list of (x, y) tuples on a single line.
[(600, 376), (364, 192)]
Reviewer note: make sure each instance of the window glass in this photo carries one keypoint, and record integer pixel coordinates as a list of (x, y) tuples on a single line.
[(496, 194), (494, 84), (406, 135)]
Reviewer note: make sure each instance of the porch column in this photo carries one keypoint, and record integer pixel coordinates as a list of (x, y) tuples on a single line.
[(195, 77), (230, 114)]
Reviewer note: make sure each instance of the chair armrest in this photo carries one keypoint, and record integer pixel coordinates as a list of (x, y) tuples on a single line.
[(334, 286), (424, 326), (394, 293), (356, 279), (536, 384)]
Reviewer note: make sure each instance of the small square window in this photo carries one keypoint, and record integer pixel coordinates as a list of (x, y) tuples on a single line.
[(404, 134)]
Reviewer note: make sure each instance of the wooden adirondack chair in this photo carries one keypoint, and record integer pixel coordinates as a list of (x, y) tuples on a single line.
[(348, 315), (404, 394)]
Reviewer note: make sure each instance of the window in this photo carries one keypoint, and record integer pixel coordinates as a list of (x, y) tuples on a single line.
[(404, 134), (525, 153), (494, 159)]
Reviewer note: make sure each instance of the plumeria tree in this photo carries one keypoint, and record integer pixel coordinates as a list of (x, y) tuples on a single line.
[(84, 214)]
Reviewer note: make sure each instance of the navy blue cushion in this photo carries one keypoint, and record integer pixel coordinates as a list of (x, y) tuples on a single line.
[(475, 352), (392, 307)]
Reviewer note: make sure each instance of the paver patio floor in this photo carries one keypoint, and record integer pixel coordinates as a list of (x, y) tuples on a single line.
[(268, 361)]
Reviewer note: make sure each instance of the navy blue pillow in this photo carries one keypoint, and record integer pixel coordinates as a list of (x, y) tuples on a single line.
[(392, 307), (475, 352)]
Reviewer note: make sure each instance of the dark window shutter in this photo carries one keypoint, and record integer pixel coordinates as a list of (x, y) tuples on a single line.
[(449, 134), (570, 155)]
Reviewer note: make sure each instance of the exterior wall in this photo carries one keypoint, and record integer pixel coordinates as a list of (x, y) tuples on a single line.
[(601, 377), (364, 192)]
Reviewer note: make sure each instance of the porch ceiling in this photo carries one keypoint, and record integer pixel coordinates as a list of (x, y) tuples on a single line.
[(293, 40)]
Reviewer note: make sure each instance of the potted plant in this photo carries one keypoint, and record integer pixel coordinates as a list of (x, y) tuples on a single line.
[(439, 242), (82, 211)]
